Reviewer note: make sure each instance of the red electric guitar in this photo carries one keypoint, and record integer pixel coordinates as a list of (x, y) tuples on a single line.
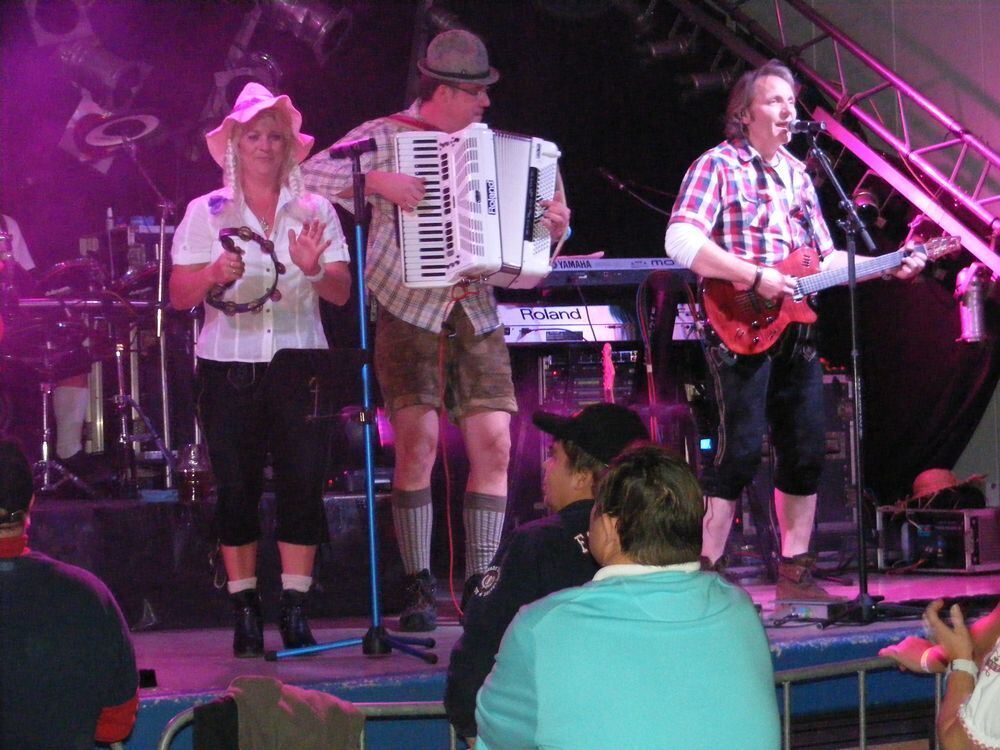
[(749, 324)]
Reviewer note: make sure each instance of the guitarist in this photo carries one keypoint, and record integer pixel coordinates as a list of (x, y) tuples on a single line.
[(745, 206)]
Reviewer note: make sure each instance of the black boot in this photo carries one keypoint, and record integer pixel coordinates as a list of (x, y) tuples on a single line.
[(294, 626), (248, 632), (419, 613)]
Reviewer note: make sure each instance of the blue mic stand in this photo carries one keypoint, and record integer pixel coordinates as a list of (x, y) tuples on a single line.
[(377, 641)]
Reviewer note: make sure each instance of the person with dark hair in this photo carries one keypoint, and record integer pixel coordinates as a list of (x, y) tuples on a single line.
[(440, 348), (67, 667), (258, 369), (653, 653), (542, 556), (745, 206)]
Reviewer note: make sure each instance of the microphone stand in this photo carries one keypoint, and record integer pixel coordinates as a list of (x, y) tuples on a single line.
[(377, 641), (864, 609)]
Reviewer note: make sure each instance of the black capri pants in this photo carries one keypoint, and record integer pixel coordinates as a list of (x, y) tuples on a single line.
[(247, 408)]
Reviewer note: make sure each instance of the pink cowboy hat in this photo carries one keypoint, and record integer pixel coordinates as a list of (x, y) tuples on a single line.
[(253, 100)]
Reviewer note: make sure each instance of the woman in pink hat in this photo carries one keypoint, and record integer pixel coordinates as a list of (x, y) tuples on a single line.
[(261, 252)]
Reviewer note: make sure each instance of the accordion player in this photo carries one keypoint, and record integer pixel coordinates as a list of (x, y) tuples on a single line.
[(478, 219)]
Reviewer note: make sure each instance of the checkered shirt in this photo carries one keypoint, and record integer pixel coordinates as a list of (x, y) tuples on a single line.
[(424, 308), (744, 206)]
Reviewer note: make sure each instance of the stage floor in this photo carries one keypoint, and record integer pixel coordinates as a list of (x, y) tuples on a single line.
[(200, 660)]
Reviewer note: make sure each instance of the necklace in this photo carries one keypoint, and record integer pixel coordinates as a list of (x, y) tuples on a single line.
[(263, 223)]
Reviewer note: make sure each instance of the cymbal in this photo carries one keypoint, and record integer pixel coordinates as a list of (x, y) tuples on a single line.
[(78, 274), (116, 130), (136, 280), (47, 347)]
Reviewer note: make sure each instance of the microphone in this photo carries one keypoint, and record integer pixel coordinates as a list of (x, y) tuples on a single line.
[(615, 182), (812, 127), (352, 148)]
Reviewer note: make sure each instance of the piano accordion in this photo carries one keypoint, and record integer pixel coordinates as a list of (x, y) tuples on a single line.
[(478, 219)]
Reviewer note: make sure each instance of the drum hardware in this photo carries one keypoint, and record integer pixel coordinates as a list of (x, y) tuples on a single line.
[(121, 314), (78, 276), (135, 280), (42, 347), (128, 407), (122, 131)]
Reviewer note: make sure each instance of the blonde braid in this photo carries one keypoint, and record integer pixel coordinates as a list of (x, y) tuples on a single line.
[(229, 171), (295, 181)]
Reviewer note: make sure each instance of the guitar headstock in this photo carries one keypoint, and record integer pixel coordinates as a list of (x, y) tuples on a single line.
[(939, 247)]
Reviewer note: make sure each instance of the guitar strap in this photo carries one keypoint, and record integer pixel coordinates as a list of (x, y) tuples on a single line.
[(413, 122)]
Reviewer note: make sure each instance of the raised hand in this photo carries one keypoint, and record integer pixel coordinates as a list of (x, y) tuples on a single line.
[(306, 248), (956, 640)]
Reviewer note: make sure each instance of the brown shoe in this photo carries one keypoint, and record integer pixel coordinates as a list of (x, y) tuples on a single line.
[(796, 582)]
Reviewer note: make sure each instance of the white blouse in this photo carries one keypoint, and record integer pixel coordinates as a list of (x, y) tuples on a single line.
[(980, 714), (293, 321)]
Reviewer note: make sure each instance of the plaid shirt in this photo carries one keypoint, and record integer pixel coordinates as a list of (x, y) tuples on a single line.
[(744, 206), (424, 308)]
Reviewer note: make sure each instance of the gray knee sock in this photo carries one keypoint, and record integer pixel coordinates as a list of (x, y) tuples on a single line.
[(483, 517), (412, 516)]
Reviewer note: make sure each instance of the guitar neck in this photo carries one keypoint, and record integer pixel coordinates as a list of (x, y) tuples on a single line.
[(864, 267)]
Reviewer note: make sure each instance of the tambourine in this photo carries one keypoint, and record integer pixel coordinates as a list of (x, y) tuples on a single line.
[(214, 297)]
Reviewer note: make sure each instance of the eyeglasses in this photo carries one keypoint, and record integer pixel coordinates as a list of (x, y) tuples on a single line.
[(473, 91)]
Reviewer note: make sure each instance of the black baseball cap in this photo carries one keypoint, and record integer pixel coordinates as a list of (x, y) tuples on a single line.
[(602, 430), (16, 487)]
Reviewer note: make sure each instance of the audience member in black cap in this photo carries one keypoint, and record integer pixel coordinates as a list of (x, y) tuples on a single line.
[(68, 668), (543, 556)]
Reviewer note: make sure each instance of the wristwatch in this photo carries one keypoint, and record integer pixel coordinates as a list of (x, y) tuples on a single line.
[(964, 665)]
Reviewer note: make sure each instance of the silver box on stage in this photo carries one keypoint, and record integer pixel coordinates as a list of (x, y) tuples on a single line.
[(963, 540)]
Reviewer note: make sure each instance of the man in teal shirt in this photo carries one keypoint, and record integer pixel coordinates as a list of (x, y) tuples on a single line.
[(653, 653)]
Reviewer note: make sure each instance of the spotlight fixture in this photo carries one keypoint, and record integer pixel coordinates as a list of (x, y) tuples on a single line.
[(718, 77), (73, 141), (679, 43), (257, 66), (110, 80), (315, 23), (58, 21), (668, 49), (713, 80), (867, 204)]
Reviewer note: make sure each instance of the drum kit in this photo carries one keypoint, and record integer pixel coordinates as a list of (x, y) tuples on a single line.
[(73, 326), (82, 314)]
